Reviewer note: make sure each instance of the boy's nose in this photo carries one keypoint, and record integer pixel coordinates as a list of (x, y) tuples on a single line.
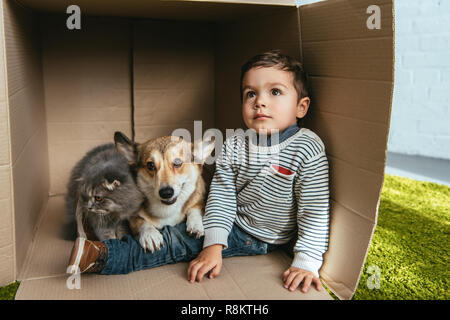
[(260, 102)]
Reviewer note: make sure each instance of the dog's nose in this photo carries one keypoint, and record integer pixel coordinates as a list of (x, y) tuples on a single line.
[(166, 192)]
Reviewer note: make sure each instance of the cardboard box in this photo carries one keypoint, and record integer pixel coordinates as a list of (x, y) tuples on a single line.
[(64, 91)]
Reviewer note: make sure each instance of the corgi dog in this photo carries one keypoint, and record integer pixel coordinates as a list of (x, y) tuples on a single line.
[(171, 182)]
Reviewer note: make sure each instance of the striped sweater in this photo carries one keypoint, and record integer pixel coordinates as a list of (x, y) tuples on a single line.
[(274, 193)]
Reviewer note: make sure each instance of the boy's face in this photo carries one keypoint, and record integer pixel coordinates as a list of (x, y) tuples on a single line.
[(270, 100)]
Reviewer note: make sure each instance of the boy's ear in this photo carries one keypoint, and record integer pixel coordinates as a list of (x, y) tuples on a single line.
[(303, 106), (126, 147)]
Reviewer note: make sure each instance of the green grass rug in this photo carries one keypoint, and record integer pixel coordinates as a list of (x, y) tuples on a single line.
[(9, 292), (410, 243), (409, 247)]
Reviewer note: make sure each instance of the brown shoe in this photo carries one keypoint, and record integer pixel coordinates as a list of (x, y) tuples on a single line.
[(87, 256)]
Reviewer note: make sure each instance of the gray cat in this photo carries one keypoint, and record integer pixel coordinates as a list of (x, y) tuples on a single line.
[(102, 196)]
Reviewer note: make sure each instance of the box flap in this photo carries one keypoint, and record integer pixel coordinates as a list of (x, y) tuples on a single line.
[(199, 10), (351, 73), (27, 127), (7, 254)]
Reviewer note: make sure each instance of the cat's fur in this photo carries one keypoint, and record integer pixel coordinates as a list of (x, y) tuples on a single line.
[(103, 173)]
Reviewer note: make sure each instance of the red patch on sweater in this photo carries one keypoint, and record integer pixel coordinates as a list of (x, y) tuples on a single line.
[(283, 170)]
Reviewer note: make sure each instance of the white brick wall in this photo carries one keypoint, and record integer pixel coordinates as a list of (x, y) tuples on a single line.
[(420, 122)]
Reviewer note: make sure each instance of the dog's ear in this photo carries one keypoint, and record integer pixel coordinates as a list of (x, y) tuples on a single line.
[(203, 149), (126, 147)]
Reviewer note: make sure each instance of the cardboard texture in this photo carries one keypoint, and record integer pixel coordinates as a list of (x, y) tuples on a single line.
[(173, 77), (67, 91), (193, 10), (7, 268), (28, 141), (44, 270), (87, 90), (351, 69)]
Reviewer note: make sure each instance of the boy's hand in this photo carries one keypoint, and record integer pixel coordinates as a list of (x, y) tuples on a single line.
[(292, 277), (209, 259)]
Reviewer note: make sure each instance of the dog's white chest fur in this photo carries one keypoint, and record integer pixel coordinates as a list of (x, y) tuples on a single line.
[(167, 214)]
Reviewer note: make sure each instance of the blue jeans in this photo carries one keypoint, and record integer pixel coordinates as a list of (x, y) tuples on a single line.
[(126, 255)]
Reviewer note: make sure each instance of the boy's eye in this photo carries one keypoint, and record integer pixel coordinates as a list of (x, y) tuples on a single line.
[(250, 94), (98, 199), (276, 92)]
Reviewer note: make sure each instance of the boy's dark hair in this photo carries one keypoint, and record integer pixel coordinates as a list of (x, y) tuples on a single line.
[(275, 58)]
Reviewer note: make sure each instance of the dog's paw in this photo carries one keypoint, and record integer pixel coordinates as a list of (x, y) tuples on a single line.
[(150, 238), (194, 227)]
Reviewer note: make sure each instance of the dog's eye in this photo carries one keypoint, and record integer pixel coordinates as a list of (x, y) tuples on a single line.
[(177, 163), (151, 166), (98, 199)]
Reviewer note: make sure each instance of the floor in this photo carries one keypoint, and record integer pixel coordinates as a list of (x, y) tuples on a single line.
[(419, 168), (44, 275)]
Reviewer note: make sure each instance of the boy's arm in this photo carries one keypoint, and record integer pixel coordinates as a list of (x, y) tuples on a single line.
[(220, 211), (219, 217), (312, 193)]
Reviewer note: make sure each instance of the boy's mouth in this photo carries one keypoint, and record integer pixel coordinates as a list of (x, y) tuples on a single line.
[(261, 116)]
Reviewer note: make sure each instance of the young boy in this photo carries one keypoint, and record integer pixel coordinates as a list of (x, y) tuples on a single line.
[(261, 197), (270, 205)]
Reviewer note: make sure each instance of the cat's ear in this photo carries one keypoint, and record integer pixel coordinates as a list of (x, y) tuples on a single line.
[(125, 147), (111, 185)]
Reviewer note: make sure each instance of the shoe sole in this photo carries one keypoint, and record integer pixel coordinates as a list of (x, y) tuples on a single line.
[(79, 249)]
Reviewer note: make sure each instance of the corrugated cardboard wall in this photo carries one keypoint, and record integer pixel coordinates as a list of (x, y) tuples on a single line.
[(28, 131), (351, 69), (173, 77), (87, 89), (7, 271), (195, 10)]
